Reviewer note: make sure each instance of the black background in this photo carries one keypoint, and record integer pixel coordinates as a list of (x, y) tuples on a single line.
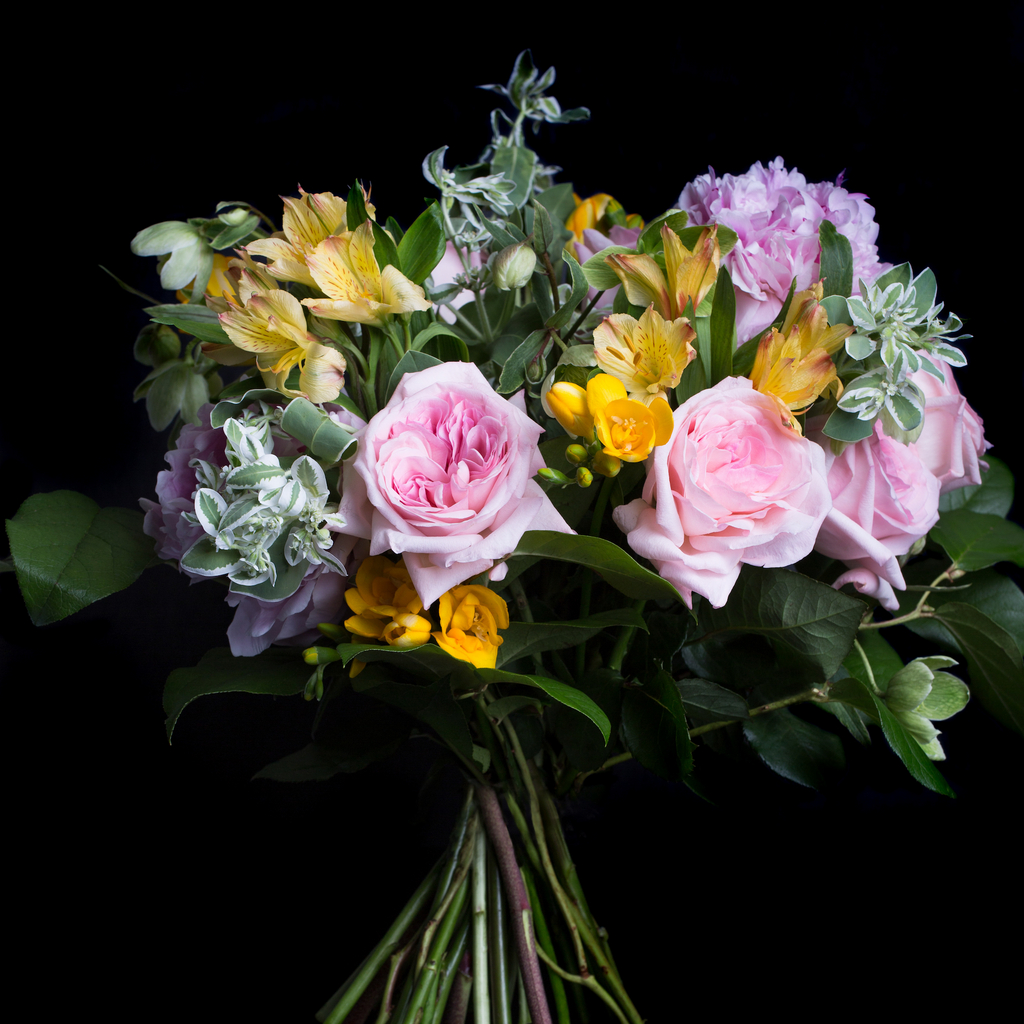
[(160, 882)]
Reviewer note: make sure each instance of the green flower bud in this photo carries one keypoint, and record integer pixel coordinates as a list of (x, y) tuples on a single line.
[(514, 266), (320, 655), (584, 477), (576, 454)]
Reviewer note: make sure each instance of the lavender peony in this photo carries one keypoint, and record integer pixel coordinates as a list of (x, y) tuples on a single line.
[(776, 215)]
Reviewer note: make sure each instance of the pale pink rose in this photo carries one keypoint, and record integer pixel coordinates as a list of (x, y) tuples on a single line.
[(444, 476), (953, 439), (733, 485), (884, 498), (776, 215)]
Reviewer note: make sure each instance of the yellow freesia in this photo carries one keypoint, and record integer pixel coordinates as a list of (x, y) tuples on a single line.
[(307, 221), (385, 604), (795, 366), (648, 355), (357, 290), (272, 325), (688, 276), (629, 430), (470, 619)]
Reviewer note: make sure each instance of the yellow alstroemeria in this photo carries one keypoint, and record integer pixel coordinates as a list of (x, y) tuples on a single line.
[(272, 325), (688, 275), (470, 619), (795, 366), (307, 221), (357, 290), (629, 430), (648, 355), (220, 283)]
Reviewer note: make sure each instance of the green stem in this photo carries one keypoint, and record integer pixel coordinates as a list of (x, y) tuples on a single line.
[(497, 913), (921, 610), (481, 995), (814, 693), (453, 960), (589, 982), (583, 316), (588, 574), (622, 643), (523, 604), (868, 669), (337, 1008)]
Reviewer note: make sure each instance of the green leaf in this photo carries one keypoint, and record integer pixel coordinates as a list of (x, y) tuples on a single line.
[(722, 329), (586, 749), (276, 671), (994, 495), (434, 705), (570, 696), (288, 576), (810, 626), (854, 720), (68, 552), (435, 332), (558, 200), (524, 638), (385, 252), (444, 345), (518, 164), (884, 660), (199, 321), (427, 661), (836, 270), (166, 394), (845, 426), (993, 661), (325, 439), (909, 750), (236, 404), (836, 310), (599, 274), (992, 593), (710, 702), (613, 564), (795, 749), (232, 234), (650, 238), (411, 362), (506, 705), (422, 246), (567, 309), (654, 724), (693, 381), (355, 209), (976, 540), (514, 370)]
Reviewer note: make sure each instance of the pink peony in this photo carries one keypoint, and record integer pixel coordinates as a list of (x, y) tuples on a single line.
[(733, 485), (175, 487), (953, 439), (443, 476), (884, 498), (776, 215)]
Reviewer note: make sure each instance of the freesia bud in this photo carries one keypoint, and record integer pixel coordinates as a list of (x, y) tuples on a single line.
[(576, 454), (607, 465), (514, 266), (584, 477)]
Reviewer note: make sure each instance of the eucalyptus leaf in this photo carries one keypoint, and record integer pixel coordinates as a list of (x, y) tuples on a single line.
[(68, 552), (165, 395), (518, 164), (567, 310), (514, 370), (276, 671)]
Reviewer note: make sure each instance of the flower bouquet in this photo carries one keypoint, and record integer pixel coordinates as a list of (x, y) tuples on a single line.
[(550, 487)]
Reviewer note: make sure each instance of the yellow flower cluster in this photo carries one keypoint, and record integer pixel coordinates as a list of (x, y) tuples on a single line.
[(386, 607)]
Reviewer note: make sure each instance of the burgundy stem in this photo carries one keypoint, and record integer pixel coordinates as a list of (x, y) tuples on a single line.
[(490, 811)]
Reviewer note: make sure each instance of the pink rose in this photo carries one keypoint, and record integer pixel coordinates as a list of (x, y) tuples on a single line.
[(884, 498), (733, 485), (443, 476), (953, 439), (776, 215)]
